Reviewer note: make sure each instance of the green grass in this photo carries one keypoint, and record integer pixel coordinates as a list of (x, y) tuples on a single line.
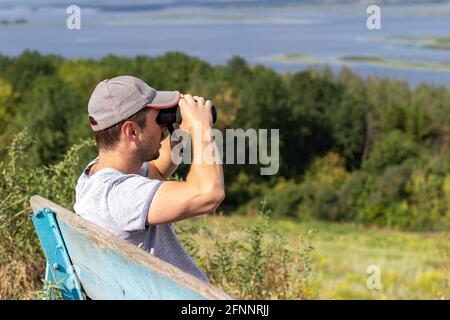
[(413, 265)]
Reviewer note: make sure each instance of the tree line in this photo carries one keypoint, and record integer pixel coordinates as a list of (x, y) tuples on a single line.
[(368, 150)]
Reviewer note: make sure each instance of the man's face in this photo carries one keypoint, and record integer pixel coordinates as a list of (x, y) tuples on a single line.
[(151, 136)]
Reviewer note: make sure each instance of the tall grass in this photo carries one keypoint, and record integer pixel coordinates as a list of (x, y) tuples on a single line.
[(443, 253), (253, 262), (22, 264)]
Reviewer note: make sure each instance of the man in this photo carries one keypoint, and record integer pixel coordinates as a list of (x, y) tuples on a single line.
[(123, 189)]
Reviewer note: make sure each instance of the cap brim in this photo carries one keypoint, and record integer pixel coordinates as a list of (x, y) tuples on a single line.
[(164, 100)]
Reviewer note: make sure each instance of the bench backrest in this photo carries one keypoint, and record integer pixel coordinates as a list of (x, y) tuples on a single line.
[(108, 267)]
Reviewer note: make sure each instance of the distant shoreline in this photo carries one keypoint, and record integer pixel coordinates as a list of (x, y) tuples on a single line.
[(18, 21), (296, 58)]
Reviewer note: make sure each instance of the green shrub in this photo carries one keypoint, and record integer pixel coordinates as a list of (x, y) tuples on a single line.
[(243, 189), (284, 199), (253, 262), (353, 195), (20, 253), (393, 149), (320, 187)]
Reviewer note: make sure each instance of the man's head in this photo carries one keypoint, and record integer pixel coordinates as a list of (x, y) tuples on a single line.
[(123, 111)]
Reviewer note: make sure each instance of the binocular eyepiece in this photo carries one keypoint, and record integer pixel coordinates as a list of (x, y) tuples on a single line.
[(171, 116)]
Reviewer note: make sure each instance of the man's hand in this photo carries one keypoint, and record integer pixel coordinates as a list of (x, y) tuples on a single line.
[(195, 109)]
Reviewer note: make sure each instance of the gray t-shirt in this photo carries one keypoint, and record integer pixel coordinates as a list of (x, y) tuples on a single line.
[(119, 203)]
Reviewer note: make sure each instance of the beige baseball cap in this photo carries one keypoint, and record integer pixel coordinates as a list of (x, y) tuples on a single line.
[(117, 99)]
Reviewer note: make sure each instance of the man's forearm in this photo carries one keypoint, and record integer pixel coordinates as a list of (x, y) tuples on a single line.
[(164, 165), (206, 170)]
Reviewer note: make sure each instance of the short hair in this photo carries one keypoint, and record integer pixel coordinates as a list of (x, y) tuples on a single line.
[(108, 138)]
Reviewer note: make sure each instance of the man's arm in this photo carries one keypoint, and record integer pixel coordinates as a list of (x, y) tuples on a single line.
[(163, 167), (203, 190)]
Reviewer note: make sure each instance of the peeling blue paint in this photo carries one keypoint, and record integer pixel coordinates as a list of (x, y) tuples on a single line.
[(59, 271), (79, 265)]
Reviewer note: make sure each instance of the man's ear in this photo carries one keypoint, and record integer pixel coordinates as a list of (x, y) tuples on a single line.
[(129, 129)]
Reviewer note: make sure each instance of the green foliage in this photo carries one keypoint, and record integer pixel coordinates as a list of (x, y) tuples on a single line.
[(315, 196), (393, 149), (22, 70), (349, 123), (7, 97), (83, 75), (258, 264), (306, 127), (353, 196), (280, 273), (373, 151), (285, 198), (443, 250), (243, 189), (172, 70), (411, 195), (20, 250), (49, 291), (384, 133), (49, 110), (414, 265)]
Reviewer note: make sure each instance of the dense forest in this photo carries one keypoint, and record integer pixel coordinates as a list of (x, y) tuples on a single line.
[(372, 151)]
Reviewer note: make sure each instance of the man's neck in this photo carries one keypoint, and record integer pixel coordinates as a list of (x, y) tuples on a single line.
[(120, 161)]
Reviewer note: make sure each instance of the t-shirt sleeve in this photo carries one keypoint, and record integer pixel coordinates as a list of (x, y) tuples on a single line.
[(129, 200)]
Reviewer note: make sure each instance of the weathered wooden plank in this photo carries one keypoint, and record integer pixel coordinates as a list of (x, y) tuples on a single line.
[(111, 268)]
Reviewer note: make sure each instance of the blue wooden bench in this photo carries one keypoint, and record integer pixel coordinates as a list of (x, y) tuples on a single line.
[(84, 260)]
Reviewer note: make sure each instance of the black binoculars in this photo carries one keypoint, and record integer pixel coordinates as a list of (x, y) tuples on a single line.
[(171, 116)]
